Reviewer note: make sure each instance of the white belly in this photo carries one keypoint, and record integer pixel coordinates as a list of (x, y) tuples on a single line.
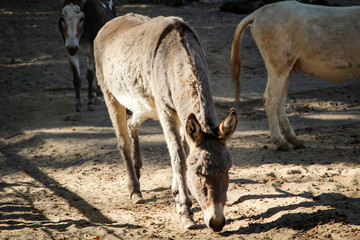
[(142, 107)]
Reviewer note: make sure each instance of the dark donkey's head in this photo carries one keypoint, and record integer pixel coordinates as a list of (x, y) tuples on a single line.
[(208, 164), (71, 24)]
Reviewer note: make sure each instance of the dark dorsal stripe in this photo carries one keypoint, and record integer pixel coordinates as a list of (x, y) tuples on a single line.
[(181, 27)]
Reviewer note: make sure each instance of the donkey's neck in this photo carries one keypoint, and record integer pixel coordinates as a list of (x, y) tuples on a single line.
[(197, 97), (181, 76)]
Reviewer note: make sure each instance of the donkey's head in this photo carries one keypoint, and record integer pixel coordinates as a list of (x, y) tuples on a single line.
[(71, 24), (208, 164)]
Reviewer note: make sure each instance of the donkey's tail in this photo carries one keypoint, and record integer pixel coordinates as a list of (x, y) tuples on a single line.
[(235, 53)]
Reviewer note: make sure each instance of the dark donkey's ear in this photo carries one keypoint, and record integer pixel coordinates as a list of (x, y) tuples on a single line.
[(228, 126), (79, 2), (193, 130)]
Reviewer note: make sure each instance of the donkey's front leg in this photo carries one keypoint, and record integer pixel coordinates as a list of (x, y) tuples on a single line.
[(90, 77), (74, 62), (171, 126)]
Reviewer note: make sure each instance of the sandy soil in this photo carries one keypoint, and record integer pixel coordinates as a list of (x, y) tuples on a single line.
[(65, 180)]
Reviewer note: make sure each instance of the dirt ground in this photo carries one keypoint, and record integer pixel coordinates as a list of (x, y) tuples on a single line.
[(65, 179)]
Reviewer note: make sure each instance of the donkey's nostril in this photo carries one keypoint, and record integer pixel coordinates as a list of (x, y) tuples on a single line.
[(72, 50), (217, 227)]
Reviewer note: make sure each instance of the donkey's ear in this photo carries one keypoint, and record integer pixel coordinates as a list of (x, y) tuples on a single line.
[(193, 130), (228, 126)]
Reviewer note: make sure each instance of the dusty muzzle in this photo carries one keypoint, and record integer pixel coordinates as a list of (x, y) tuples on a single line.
[(72, 45), (214, 217)]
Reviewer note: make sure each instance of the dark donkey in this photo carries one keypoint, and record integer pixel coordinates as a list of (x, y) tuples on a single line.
[(79, 23)]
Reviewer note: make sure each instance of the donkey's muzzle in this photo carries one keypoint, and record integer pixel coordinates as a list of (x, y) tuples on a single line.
[(216, 226), (214, 217), (72, 50)]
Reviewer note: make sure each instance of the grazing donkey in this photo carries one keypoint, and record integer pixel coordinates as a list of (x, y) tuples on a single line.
[(79, 22), (321, 41), (155, 68)]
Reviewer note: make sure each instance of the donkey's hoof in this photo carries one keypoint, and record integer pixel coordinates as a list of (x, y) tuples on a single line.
[(299, 145), (188, 222), (91, 107), (136, 198), (74, 117), (283, 147), (98, 100)]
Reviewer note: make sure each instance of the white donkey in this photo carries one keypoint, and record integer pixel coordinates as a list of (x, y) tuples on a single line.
[(155, 68), (321, 41)]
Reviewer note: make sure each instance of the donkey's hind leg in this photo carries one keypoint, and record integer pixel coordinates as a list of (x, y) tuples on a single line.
[(285, 125), (272, 96), (134, 122), (117, 114)]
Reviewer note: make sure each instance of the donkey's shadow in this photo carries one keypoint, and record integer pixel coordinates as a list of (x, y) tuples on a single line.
[(338, 205)]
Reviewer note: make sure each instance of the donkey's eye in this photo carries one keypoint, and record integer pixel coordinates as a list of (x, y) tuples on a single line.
[(198, 175)]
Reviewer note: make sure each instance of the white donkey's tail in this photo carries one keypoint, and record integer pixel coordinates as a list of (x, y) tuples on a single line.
[(235, 53)]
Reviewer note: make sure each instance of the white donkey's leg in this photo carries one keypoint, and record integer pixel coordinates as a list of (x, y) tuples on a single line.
[(285, 125), (75, 67), (272, 95), (117, 114), (171, 128)]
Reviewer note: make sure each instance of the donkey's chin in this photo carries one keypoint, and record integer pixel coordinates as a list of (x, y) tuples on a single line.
[(214, 217)]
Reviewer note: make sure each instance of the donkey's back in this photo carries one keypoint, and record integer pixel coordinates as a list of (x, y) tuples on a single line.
[(139, 57)]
